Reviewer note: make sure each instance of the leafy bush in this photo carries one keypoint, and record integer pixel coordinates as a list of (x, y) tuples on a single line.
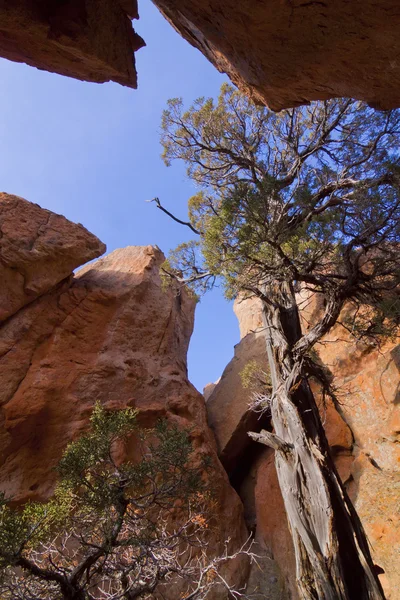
[(111, 530)]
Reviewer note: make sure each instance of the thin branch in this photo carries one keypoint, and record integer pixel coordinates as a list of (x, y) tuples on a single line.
[(186, 223), (271, 440)]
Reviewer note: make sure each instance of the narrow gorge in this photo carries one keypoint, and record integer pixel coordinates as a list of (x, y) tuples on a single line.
[(111, 333), (79, 326)]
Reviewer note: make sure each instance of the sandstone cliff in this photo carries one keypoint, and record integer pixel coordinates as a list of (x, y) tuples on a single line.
[(288, 52), (282, 52), (363, 432), (110, 334)]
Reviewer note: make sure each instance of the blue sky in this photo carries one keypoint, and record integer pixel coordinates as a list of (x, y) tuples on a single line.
[(91, 152)]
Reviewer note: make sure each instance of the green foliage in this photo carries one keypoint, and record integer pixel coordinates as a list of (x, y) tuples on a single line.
[(255, 378), (306, 200), (109, 526), (308, 196), (93, 449), (382, 321), (18, 527)]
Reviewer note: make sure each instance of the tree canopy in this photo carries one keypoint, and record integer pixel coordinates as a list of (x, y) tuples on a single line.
[(308, 195)]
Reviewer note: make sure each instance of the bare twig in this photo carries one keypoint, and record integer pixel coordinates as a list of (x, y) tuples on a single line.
[(167, 212)]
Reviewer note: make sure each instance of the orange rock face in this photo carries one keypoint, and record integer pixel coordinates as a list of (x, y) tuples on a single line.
[(363, 434), (111, 334), (229, 414), (38, 249), (92, 40), (368, 383), (288, 52)]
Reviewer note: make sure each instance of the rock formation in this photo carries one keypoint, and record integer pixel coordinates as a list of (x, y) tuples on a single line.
[(281, 52), (38, 249), (363, 432), (288, 52), (111, 333), (92, 40)]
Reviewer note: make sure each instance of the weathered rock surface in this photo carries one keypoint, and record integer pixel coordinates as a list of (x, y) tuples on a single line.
[(281, 52), (92, 40), (109, 334), (75, 345), (363, 434), (288, 52), (248, 313), (368, 381), (229, 414), (38, 249)]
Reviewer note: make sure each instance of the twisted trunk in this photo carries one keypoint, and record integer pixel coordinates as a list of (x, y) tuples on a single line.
[(333, 561)]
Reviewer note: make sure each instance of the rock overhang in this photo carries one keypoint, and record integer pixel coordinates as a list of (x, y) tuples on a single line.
[(281, 53)]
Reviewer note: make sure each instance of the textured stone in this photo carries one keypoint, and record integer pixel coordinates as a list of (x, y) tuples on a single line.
[(229, 415), (92, 40), (281, 52), (208, 390), (38, 249), (272, 530), (248, 313), (110, 334), (228, 401), (368, 382), (363, 432), (288, 52)]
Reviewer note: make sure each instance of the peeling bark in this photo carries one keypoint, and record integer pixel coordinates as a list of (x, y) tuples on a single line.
[(333, 561)]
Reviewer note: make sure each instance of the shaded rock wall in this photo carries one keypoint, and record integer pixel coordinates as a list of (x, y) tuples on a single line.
[(288, 52), (283, 53), (229, 415), (92, 40), (110, 334), (363, 433)]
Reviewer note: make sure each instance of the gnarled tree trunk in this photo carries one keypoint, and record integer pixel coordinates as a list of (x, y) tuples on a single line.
[(333, 561)]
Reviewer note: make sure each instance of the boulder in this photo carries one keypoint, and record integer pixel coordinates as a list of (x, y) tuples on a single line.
[(38, 249), (287, 52), (248, 313), (92, 40), (283, 53)]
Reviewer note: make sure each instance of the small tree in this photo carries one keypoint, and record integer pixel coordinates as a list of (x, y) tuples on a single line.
[(304, 199), (114, 531)]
